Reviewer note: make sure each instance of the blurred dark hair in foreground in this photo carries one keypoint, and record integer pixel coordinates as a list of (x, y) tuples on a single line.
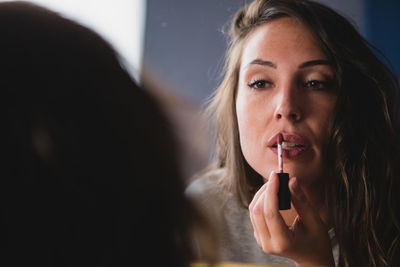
[(90, 174)]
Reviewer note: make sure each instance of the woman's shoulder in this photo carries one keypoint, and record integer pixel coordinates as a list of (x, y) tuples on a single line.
[(210, 180), (208, 186)]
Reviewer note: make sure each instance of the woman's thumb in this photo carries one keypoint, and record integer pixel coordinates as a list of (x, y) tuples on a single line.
[(304, 209)]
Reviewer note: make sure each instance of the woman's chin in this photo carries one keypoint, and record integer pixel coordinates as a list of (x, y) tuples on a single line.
[(306, 175)]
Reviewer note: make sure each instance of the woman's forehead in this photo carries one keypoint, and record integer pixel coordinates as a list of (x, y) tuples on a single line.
[(281, 40)]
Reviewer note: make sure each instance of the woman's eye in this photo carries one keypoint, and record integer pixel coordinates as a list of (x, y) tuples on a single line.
[(259, 84), (317, 85)]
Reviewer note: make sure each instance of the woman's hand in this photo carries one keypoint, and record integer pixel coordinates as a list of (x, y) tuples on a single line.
[(306, 241)]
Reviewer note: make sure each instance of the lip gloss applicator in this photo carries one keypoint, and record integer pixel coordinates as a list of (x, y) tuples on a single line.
[(284, 192)]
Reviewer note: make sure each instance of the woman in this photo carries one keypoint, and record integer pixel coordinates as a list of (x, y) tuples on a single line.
[(91, 175), (300, 70)]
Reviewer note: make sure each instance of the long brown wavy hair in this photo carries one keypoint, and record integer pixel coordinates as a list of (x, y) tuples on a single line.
[(362, 192)]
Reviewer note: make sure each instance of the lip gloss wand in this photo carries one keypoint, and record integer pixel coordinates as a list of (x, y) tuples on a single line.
[(284, 192)]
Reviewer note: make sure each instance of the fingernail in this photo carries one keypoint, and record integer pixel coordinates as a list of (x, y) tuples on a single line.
[(266, 180)]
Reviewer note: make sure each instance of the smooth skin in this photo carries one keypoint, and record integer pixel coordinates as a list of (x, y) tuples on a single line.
[(286, 84)]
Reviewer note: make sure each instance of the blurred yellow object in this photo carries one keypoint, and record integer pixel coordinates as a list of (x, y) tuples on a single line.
[(232, 264)]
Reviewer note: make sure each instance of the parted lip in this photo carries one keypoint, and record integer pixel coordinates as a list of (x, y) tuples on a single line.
[(292, 138), (301, 145)]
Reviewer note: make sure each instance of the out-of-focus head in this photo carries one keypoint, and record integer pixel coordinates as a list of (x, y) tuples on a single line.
[(90, 176)]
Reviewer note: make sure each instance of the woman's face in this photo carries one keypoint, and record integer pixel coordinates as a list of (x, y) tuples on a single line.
[(286, 85)]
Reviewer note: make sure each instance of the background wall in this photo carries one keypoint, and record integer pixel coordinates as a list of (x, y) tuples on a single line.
[(184, 43), (382, 25)]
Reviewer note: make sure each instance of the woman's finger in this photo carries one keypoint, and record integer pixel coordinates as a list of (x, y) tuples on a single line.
[(252, 219), (262, 233), (257, 195), (260, 191), (251, 213)]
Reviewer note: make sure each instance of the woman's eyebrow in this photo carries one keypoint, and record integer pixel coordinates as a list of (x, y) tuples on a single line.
[(262, 62), (301, 66), (314, 63)]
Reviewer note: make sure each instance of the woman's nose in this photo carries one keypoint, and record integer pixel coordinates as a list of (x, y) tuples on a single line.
[(288, 107)]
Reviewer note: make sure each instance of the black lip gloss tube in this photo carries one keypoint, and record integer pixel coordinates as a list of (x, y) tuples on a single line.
[(284, 192)]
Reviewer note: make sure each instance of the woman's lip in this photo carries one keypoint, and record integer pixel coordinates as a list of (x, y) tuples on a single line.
[(294, 152), (302, 145), (292, 138)]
